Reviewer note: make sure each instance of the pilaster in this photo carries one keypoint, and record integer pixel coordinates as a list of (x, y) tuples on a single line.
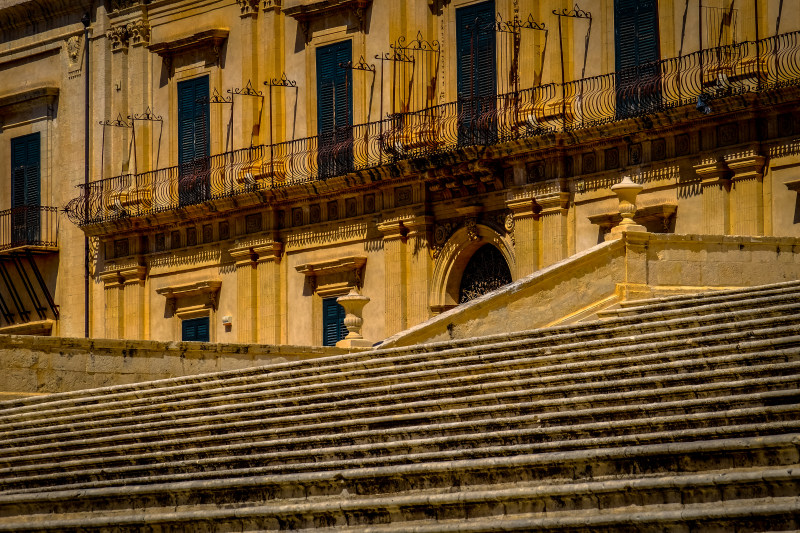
[(716, 197), (747, 195), (553, 221), (419, 269), (394, 242), (246, 297), (526, 235), (134, 315), (270, 304), (113, 285)]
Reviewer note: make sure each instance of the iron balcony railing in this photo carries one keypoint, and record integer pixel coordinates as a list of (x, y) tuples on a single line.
[(29, 225), (747, 67)]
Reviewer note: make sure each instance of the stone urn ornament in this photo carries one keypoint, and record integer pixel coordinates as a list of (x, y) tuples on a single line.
[(353, 304), (626, 190)]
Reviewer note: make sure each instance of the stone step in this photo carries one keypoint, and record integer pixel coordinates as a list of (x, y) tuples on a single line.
[(469, 366), (387, 359), (568, 430), (206, 431), (468, 468), (689, 302), (371, 394), (470, 503), (732, 294)]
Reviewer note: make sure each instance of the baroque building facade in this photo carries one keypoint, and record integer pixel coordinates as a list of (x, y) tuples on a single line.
[(251, 161)]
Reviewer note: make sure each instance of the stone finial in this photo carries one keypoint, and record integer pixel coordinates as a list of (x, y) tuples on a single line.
[(626, 190), (353, 304)]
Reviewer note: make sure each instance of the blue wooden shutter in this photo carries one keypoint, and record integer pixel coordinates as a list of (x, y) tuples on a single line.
[(25, 188), (25, 174), (476, 50), (637, 50), (195, 329), (193, 120), (194, 145), (334, 109), (333, 329), (334, 85)]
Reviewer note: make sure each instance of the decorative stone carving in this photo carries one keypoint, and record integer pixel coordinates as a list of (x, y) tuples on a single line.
[(248, 7), (353, 304), (118, 38), (626, 191), (73, 50), (138, 33), (471, 224)]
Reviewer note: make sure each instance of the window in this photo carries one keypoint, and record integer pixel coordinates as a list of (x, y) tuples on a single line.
[(25, 188), (477, 79), (193, 141), (333, 329), (195, 329), (637, 55), (334, 109)]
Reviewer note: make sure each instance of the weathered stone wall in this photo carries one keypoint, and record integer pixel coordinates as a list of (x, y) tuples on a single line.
[(639, 265), (31, 365)]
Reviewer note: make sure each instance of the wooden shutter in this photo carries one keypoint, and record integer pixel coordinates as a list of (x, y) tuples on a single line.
[(334, 87), (25, 173), (475, 45), (636, 32), (333, 329), (195, 329), (193, 120)]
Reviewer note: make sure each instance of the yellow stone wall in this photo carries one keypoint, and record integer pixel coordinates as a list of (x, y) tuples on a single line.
[(537, 200)]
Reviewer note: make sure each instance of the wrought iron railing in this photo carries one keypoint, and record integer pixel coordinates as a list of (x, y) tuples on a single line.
[(30, 225), (706, 75)]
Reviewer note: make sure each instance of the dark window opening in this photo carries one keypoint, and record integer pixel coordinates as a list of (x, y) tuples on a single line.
[(486, 271)]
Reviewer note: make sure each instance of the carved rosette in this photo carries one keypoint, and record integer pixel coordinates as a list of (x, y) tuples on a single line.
[(118, 37)]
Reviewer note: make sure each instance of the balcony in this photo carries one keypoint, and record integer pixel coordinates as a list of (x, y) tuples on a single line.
[(29, 228), (749, 67)]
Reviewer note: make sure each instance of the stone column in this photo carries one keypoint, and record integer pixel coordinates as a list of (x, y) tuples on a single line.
[(269, 292), (553, 226), (112, 288), (526, 235), (636, 284), (246, 301), (747, 195), (395, 275), (716, 197), (419, 269), (133, 311)]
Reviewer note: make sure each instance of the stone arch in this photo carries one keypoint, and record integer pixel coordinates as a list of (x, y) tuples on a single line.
[(453, 258)]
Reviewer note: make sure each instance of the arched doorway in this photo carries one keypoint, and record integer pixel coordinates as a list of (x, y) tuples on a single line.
[(486, 271)]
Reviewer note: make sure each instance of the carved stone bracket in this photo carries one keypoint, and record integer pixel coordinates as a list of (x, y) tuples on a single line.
[(207, 291), (337, 276)]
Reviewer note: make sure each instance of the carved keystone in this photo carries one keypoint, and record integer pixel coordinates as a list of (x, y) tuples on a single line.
[(353, 304), (626, 190)]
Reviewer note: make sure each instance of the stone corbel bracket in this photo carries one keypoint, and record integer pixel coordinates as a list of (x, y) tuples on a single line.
[(208, 288), (212, 38), (334, 277)]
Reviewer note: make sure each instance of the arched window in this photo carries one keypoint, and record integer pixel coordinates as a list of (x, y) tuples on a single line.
[(486, 271)]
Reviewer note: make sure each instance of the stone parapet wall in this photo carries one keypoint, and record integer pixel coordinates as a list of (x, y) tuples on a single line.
[(42, 365), (638, 265)]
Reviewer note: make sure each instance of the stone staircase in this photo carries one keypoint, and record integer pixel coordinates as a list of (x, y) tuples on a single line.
[(674, 414)]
